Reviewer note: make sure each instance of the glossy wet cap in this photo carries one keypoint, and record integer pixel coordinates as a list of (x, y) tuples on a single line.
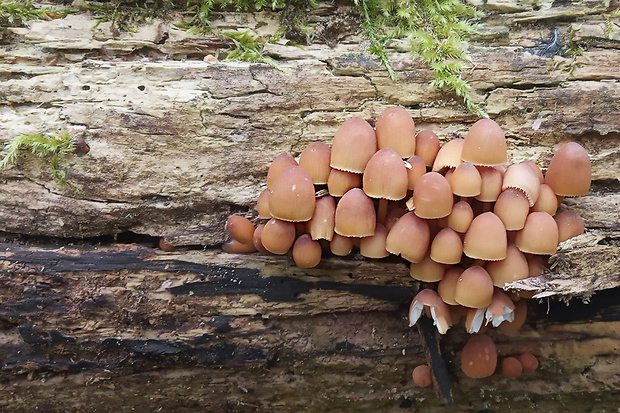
[(409, 238), (570, 224), (353, 145), (479, 357), (486, 238), (539, 234), (306, 252), (449, 155), (385, 176), (280, 163), (474, 288), (355, 215), (427, 146), (292, 195), (395, 129), (432, 196), (570, 171), (315, 160), (485, 144)]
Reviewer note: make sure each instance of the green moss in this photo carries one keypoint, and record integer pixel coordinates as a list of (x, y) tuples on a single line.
[(248, 48), (52, 146), (18, 13), (609, 23)]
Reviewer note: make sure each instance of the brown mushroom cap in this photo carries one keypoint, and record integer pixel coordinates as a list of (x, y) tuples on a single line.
[(520, 314), (374, 246), (280, 163), (511, 367), (262, 204), (415, 169), (547, 201), (479, 357), (570, 224), (427, 270), (292, 195), (432, 196), (570, 171), (447, 247), (536, 170), (341, 246), (353, 145), (486, 238), (236, 247), (321, 225), (466, 180), (422, 376), (164, 246), (485, 144), (440, 312), (427, 146), (339, 182), (491, 184), (409, 237), (522, 177), (355, 215), (512, 207), (449, 155), (501, 308), (475, 288), (240, 228), (447, 286), (385, 176), (315, 160), (395, 129), (306, 252), (529, 362), (539, 234), (278, 236), (461, 216), (257, 239), (514, 267)]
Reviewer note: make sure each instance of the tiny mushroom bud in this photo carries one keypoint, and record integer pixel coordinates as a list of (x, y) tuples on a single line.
[(422, 376), (262, 204), (440, 312), (479, 357), (466, 180), (570, 172), (427, 146), (353, 145), (395, 129), (280, 163), (240, 228), (164, 246), (341, 246), (292, 196), (257, 239), (355, 215), (529, 362), (235, 247), (511, 367), (315, 160), (485, 144), (80, 146), (374, 245), (278, 236), (306, 252), (570, 224)]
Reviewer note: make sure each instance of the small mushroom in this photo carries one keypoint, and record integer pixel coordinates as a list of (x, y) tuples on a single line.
[(447, 286), (547, 201), (427, 270), (427, 146), (306, 252), (321, 225), (479, 357), (415, 169), (240, 228), (570, 224), (486, 238), (395, 129), (374, 245), (521, 176), (355, 215), (513, 268), (511, 367), (465, 180), (529, 362), (257, 239), (80, 146), (432, 196), (341, 246), (501, 309), (292, 196), (278, 236), (262, 204), (315, 161), (447, 247), (280, 163), (460, 217), (485, 144), (491, 184), (409, 238), (422, 376), (449, 155), (385, 177), (570, 171), (512, 207), (353, 145), (474, 288), (439, 311), (539, 234), (339, 182)]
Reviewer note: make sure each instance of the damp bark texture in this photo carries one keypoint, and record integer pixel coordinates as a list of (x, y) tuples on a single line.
[(89, 322)]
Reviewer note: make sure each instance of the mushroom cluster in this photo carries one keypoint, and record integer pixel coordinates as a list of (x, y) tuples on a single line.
[(467, 223)]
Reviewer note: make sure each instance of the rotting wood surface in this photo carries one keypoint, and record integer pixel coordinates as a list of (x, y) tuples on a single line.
[(177, 144)]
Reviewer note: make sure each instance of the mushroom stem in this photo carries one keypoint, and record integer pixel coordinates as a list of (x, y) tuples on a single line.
[(382, 211), (437, 363)]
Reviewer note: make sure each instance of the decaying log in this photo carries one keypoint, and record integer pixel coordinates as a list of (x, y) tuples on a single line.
[(93, 318)]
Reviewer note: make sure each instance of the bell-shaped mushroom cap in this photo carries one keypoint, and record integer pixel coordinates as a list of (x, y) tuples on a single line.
[(432, 196), (491, 184), (501, 308), (447, 247), (449, 155), (341, 246), (235, 247), (520, 314), (355, 215), (570, 224), (427, 146), (486, 238), (278, 236), (547, 201), (570, 172), (529, 362), (512, 208), (240, 228), (262, 204), (374, 246), (385, 176), (353, 145), (447, 286), (522, 177), (393, 216), (427, 270), (315, 160), (475, 288), (461, 216), (339, 182), (508, 270), (415, 169), (485, 144), (466, 180), (321, 225), (440, 311), (479, 357), (539, 234), (536, 170), (395, 129), (511, 367), (257, 239), (409, 237), (474, 320), (279, 164), (422, 376), (292, 195), (306, 252)]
